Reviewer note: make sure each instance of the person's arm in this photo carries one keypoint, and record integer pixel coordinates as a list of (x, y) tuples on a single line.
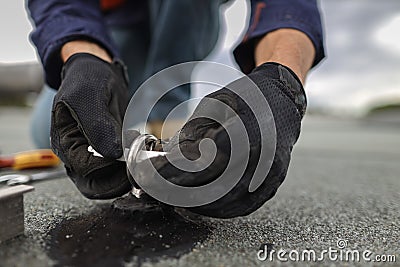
[(81, 63), (288, 32), (82, 46), (58, 22), (288, 47)]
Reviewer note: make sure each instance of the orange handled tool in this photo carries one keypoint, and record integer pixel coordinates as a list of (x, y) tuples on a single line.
[(40, 158)]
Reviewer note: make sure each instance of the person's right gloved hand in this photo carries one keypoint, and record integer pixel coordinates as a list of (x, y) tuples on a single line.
[(284, 94), (88, 110)]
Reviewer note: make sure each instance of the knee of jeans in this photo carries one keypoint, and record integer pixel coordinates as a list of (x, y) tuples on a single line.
[(40, 119)]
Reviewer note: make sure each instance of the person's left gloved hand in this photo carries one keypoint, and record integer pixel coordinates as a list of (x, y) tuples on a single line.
[(286, 98), (88, 110)]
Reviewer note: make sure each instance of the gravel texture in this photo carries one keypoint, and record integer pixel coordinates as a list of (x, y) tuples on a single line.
[(343, 184)]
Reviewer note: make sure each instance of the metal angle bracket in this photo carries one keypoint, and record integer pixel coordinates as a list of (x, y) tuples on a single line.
[(12, 211)]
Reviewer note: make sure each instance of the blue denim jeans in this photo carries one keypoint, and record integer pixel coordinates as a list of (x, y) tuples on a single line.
[(175, 31)]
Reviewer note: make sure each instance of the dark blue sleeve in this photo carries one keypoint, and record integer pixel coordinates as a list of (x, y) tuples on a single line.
[(270, 15), (60, 21)]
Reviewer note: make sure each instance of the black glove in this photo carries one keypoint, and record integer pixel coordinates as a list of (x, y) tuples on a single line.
[(88, 109), (286, 98)]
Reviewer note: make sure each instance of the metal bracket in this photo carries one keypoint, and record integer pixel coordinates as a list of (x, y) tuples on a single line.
[(12, 211)]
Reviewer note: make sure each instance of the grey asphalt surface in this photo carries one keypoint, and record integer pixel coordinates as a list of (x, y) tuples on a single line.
[(343, 183)]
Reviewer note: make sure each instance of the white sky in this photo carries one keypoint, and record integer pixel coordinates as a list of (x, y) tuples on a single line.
[(14, 30), (363, 57), (362, 43)]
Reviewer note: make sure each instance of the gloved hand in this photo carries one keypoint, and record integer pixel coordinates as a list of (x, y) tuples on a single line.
[(286, 98), (88, 109)]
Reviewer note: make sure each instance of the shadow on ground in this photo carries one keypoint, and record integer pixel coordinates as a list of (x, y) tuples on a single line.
[(113, 237)]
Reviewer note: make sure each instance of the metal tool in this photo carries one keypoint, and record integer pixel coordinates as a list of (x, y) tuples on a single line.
[(141, 148), (16, 179), (39, 158), (136, 152)]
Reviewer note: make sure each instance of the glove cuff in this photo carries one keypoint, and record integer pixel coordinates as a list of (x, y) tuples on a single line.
[(295, 90), (117, 64)]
